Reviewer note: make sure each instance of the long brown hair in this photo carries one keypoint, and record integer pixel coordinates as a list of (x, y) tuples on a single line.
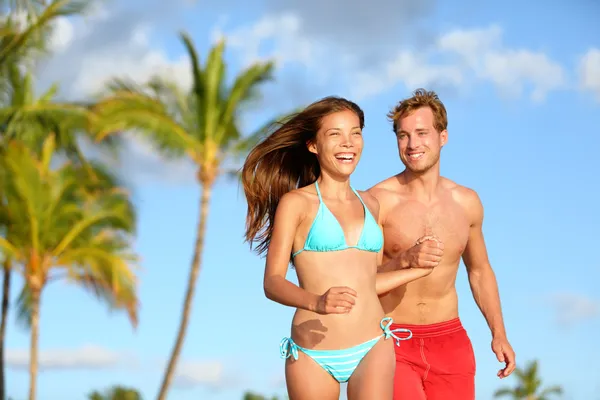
[(281, 163)]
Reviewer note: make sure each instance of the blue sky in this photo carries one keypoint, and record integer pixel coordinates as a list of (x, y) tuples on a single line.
[(521, 82)]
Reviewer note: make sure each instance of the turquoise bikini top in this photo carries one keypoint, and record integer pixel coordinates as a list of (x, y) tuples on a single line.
[(326, 233)]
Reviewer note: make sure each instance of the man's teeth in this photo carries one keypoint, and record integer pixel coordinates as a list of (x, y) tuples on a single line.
[(415, 156)]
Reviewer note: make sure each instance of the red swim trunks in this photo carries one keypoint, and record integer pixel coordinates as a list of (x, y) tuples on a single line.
[(438, 363)]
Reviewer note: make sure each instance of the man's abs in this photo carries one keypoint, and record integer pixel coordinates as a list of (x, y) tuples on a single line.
[(427, 300)]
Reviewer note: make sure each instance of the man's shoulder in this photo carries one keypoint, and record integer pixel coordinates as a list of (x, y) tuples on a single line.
[(370, 201), (387, 193), (387, 187), (463, 195)]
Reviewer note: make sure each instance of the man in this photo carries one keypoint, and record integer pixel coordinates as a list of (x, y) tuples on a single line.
[(431, 222)]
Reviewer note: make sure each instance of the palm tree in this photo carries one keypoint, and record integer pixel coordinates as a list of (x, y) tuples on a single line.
[(116, 393), (31, 119), (254, 396), (18, 40), (201, 124), (59, 228), (529, 386)]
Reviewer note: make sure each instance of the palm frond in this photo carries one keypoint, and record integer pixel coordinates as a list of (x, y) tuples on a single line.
[(21, 6), (214, 73), (15, 42), (255, 75), (23, 307), (238, 149), (105, 274), (83, 229), (198, 92), (141, 113), (31, 120), (504, 392), (557, 390)]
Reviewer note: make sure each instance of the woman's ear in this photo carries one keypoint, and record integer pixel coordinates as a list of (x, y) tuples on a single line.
[(311, 145)]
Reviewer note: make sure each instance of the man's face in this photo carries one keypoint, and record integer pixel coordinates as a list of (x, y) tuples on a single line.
[(419, 143)]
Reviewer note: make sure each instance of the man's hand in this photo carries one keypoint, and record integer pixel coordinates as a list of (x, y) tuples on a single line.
[(504, 353), (426, 253)]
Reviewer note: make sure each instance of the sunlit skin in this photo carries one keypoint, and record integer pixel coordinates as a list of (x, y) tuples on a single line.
[(420, 202), (419, 143), (352, 312)]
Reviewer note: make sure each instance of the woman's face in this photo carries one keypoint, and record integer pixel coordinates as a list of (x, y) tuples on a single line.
[(338, 143)]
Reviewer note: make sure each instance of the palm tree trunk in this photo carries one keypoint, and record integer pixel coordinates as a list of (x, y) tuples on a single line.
[(189, 296), (33, 356), (5, 304)]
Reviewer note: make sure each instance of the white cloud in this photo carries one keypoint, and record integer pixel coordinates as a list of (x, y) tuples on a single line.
[(457, 59), (85, 357), (481, 52), (408, 68), (463, 58), (279, 38), (366, 33), (589, 72), (62, 35), (87, 54), (572, 308), (116, 42), (201, 373), (83, 66)]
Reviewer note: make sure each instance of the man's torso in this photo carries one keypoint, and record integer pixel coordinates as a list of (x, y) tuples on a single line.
[(433, 298)]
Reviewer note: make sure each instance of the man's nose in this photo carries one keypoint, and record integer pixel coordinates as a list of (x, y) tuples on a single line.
[(413, 142)]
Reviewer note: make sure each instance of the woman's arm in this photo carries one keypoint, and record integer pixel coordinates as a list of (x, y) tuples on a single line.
[(277, 288), (387, 281)]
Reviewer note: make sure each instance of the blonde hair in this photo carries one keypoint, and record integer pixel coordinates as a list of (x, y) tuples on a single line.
[(420, 98)]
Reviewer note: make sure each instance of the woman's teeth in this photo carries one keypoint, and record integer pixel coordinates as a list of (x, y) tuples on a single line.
[(345, 158)]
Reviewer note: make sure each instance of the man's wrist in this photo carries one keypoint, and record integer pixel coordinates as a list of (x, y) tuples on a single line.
[(499, 334)]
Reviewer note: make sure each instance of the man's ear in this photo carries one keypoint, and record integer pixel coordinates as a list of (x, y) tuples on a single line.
[(443, 137)]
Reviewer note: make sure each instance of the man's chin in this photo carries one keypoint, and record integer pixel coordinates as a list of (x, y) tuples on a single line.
[(416, 170)]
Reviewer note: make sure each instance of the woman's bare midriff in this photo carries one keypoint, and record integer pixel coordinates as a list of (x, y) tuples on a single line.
[(320, 271)]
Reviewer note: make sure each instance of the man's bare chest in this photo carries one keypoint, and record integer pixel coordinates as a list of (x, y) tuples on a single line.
[(410, 220)]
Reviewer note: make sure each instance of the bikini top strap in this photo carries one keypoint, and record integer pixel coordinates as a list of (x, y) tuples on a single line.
[(318, 191), (358, 195)]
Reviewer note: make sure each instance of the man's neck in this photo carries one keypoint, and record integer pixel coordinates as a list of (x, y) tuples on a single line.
[(422, 186)]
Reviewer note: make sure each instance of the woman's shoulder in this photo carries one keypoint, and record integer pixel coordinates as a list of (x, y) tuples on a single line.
[(297, 200)]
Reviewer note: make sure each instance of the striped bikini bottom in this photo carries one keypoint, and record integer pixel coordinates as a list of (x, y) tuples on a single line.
[(342, 363)]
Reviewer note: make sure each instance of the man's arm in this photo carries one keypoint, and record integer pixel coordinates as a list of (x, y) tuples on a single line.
[(483, 283), (481, 276)]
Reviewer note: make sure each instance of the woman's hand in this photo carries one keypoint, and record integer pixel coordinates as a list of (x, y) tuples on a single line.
[(337, 300)]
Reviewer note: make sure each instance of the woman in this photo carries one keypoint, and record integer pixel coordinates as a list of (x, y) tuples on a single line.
[(301, 208)]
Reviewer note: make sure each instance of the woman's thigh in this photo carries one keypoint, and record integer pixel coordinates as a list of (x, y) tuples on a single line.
[(307, 380), (374, 376)]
